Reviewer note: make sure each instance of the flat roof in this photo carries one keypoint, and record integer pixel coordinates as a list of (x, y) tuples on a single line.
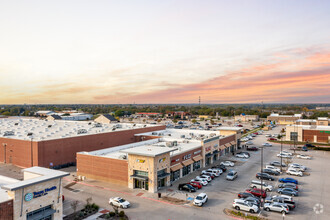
[(46, 175), (41, 130), (312, 127), (183, 134), (120, 152), (150, 151), (5, 181), (229, 128)]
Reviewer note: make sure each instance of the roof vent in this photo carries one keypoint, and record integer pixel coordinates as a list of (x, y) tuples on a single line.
[(81, 131), (8, 133), (49, 126), (29, 134)]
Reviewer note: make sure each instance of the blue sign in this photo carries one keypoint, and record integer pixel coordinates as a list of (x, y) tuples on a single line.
[(28, 197)]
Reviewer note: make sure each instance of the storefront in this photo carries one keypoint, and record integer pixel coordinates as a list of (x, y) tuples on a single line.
[(38, 196), (208, 159), (175, 172), (140, 179)]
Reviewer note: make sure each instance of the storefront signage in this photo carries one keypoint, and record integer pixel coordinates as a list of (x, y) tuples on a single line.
[(162, 160), (172, 161), (186, 157), (207, 148), (216, 145), (33, 195), (327, 132), (197, 152), (140, 161)]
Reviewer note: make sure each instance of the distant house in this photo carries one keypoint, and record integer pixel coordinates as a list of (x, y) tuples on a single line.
[(54, 117), (106, 119)]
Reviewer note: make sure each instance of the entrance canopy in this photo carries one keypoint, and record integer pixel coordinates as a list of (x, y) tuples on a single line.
[(139, 177)]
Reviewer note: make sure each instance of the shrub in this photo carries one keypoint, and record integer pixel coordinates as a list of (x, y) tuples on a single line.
[(112, 214), (94, 206), (81, 214), (121, 214)]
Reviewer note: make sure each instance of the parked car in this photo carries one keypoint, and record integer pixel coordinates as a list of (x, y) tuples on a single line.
[(286, 152), (298, 166), (271, 139), (239, 155), (288, 180), (304, 156), (257, 192), (258, 184), (186, 187), (220, 166), (228, 163), (304, 148), (288, 191), (291, 204), (292, 171), (249, 143), (273, 168), (252, 148), (203, 182), (205, 174), (277, 207), (277, 164), (200, 200), (232, 175), (284, 196), (268, 135), (207, 177), (197, 185), (267, 145), (271, 172), (264, 176), (240, 204), (253, 200), (309, 145), (284, 155), (203, 178), (119, 202), (215, 172), (245, 195), (288, 185), (246, 153)]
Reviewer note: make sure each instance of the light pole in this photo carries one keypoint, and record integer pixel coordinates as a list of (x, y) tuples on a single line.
[(281, 150), (261, 166)]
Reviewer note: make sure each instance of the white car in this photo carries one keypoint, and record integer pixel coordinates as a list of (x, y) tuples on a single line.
[(119, 202), (203, 182), (268, 135), (303, 156), (239, 155), (204, 177), (284, 196), (200, 200), (283, 155), (298, 166), (273, 168), (240, 204), (286, 152), (216, 172), (295, 172), (228, 164), (249, 143), (267, 145)]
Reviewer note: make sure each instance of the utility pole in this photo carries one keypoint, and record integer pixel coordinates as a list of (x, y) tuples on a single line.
[(199, 101), (261, 166), (281, 150)]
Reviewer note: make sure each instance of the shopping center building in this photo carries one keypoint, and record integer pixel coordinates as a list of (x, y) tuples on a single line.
[(37, 197), (157, 159), (308, 133)]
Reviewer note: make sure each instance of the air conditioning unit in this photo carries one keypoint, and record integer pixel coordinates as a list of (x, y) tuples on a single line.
[(183, 136), (81, 131), (169, 144), (175, 143)]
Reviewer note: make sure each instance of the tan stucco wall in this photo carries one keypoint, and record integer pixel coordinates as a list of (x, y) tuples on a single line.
[(52, 198), (290, 129)]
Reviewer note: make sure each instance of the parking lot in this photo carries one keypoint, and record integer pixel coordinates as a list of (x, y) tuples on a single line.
[(313, 193)]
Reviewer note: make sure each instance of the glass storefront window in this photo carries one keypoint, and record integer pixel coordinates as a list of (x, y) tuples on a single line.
[(186, 170), (196, 165), (175, 175)]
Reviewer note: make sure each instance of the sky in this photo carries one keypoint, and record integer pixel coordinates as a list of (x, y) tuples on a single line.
[(119, 52)]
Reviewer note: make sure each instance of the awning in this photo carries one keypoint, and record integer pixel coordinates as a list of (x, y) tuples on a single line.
[(162, 176), (187, 162), (197, 158), (228, 145), (176, 167), (233, 143), (215, 152), (42, 214), (139, 177), (222, 147)]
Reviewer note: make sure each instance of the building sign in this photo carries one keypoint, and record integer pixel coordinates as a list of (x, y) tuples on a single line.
[(207, 148), (216, 145), (30, 196), (197, 152), (173, 161), (140, 161), (327, 132), (186, 157), (162, 160)]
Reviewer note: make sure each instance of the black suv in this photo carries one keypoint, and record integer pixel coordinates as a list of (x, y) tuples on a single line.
[(187, 187), (264, 176), (309, 145), (220, 166), (271, 172)]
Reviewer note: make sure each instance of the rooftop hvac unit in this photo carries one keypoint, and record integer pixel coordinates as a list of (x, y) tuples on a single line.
[(169, 134), (144, 126), (8, 133), (154, 133), (175, 143), (113, 129), (30, 134), (81, 131), (183, 136), (212, 134), (49, 126), (124, 157), (134, 125), (169, 144), (16, 123), (98, 125)]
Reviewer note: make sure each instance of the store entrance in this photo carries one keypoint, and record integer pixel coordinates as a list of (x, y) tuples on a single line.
[(161, 183), (45, 213), (141, 184)]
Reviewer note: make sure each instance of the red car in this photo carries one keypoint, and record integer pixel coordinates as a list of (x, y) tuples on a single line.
[(257, 192), (272, 139), (256, 133), (252, 148), (195, 184), (239, 125)]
